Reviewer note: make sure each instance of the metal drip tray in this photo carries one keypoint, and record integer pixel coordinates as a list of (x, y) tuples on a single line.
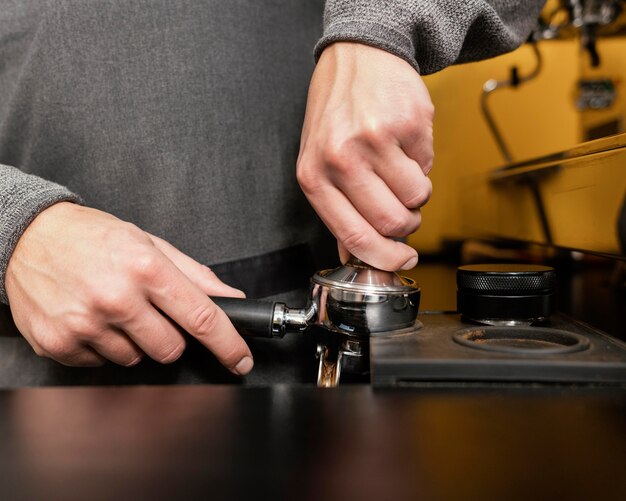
[(522, 340), (448, 349)]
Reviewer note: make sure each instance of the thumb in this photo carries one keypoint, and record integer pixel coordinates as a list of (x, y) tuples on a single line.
[(344, 254), (202, 276)]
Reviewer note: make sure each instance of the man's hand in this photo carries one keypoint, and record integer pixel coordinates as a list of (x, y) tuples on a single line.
[(85, 287), (366, 150)]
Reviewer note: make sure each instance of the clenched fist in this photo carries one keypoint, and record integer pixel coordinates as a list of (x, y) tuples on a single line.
[(366, 150), (85, 287)]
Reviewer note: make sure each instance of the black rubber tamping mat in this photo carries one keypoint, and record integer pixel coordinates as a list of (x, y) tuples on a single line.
[(449, 349)]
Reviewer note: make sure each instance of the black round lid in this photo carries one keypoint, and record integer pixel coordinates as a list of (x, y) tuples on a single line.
[(505, 279), (505, 292)]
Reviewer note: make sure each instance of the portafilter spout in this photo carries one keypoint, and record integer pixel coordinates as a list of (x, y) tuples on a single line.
[(355, 300)]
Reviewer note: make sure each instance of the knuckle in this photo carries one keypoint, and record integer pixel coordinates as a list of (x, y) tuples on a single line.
[(145, 265), (208, 272), (418, 199), (113, 301), (56, 346), (308, 178), (129, 232), (393, 225), (417, 120), (203, 320), (356, 242), (173, 354), (209, 275), (337, 154), (80, 324), (427, 163), (347, 170), (130, 229), (427, 154), (374, 132), (410, 119), (125, 237), (414, 222), (425, 111), (38, 349), (420, 112), (429, 110), (66, 349)]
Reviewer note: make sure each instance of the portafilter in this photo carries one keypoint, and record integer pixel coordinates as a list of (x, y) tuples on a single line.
[(355, 300)]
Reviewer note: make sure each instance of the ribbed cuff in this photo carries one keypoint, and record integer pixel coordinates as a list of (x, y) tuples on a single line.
[(22, 198), (369, 33)]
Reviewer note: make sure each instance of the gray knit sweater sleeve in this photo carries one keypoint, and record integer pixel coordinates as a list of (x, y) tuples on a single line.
[(22, 198), (431, 34)]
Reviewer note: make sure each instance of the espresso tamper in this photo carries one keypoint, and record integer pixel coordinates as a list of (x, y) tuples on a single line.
[(353, 301), (358, 301)]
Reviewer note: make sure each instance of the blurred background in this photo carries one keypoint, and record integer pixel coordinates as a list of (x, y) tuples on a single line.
[(544, 116), (530, 162)]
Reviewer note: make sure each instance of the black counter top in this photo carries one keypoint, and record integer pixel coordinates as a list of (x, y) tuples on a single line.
[(285, 442)]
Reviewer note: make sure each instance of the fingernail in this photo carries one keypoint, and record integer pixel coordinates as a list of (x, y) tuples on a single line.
[(135, 361), (410, 264), (244, 366), (234, 292)]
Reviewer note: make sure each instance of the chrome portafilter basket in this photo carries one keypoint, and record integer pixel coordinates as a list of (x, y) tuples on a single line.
[(351, 303), (358, 300)]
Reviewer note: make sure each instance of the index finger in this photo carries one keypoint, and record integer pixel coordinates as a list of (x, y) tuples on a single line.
[(174, 294), (359, 237)]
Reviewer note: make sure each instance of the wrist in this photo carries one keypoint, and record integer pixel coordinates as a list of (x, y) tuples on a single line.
[(354, 50), (373, 35), (42, 222)]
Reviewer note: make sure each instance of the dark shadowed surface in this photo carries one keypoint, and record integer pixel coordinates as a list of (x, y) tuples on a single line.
[(199, 442)]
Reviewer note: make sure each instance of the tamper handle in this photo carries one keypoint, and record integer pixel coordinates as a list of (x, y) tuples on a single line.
[(251, 317), (357, 263)]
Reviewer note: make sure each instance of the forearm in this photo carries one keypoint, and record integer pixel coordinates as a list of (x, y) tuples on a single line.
[(22, 198), (434, 34)]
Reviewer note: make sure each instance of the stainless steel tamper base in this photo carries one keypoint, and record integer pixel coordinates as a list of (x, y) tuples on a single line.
[(356, 302)]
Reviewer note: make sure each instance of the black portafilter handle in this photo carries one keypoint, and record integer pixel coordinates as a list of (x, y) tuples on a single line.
[(253, 317)]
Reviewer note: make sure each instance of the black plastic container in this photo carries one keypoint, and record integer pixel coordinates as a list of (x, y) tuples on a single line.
[(506, 294)]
